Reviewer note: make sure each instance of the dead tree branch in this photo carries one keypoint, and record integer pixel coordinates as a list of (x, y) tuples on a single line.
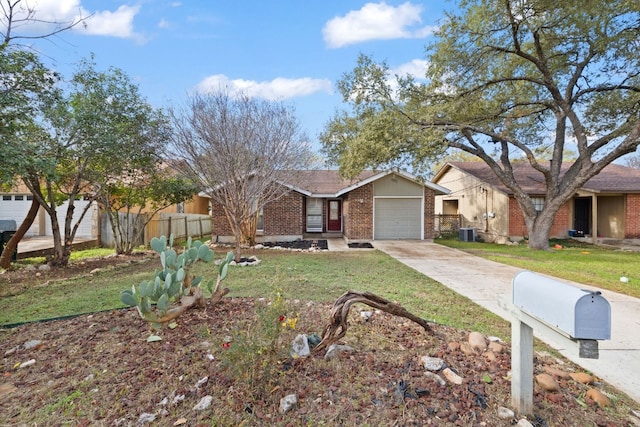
[(337, 327)]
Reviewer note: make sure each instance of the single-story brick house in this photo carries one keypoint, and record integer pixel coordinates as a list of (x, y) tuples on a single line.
[(374, 206), (607, 207)]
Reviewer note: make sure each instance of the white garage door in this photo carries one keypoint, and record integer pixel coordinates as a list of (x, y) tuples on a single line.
[(397, 219), (15, 207)]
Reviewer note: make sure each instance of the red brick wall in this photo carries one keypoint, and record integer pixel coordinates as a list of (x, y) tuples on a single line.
[(632, 217), (284, 216), (219, 223), (358, 217), (517, 227), (429, 209)]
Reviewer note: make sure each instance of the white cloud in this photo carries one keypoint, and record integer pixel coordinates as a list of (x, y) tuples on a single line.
[(375, 21), (277, 89), (416, 68), (118, 23), (164, 24)]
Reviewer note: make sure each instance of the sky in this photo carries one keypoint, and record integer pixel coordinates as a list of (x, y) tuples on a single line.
[(294, 51)]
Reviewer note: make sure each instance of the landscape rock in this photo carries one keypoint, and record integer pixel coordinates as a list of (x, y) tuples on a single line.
[(432, 363), (597, 396), (300, 346), (146, 418), (31, 344), (581, 377), (44, 267), (27, 363), (453, 346), (477, 341), (467, 349), (556, 372), (437, 378), (523, 422), (288, 402), (546, 382), (335, 349), (202, 381), (505, 413), (204, 403), (496, 347), (452, 377), (489, 355), (366, 315)]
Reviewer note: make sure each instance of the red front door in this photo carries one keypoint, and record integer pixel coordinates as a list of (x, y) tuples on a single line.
[(334, 215)]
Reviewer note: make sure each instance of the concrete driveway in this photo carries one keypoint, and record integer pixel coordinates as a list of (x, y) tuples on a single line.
[(485, 281)]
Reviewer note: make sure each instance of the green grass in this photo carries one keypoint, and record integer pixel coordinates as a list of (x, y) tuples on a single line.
[(597, 266), (319, 277), (75, 256)]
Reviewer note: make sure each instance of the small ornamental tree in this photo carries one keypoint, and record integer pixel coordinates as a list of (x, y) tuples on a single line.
[(173, 289)]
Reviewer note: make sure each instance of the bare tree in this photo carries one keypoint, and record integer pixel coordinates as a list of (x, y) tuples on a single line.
[(20, 13), (240, 150)]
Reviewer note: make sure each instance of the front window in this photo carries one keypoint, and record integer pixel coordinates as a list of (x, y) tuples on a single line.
[(260, 226), (314, 215), (538, 203)]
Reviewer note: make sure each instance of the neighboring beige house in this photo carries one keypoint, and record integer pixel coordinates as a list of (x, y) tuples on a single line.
[(606, 207)]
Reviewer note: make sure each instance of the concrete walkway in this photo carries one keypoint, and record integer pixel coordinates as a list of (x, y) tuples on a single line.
[(485, 281)]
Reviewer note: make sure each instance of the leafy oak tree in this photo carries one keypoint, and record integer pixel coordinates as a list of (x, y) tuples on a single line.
[(507, 80), (239, 149), (26, 86), (99, 131)]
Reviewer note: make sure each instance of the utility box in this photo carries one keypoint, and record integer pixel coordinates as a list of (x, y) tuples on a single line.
[(580, 313), (467, 234)]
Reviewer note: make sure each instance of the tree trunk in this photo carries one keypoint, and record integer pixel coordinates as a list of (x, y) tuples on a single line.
[(539, 229), (12, 244)]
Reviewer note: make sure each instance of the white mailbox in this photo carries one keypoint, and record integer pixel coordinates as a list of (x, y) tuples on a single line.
[(582, 314)]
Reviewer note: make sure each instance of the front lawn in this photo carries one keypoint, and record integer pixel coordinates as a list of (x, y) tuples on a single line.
[(598, 266)]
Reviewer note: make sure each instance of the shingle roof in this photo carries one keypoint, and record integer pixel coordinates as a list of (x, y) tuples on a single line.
[(612, 179), (327, 181)]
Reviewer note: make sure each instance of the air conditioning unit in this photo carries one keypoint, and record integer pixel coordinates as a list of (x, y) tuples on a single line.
[(467, 234)]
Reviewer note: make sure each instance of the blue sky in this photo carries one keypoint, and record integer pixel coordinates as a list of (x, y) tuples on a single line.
[(294, 51)]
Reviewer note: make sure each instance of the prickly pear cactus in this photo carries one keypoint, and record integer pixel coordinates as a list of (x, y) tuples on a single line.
[(173, 289)]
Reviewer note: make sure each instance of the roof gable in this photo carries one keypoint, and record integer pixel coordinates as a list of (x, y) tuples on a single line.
[(329, 183)]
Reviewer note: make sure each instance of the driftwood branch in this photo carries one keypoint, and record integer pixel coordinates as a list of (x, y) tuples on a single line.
[(337, 327), (186, 302)]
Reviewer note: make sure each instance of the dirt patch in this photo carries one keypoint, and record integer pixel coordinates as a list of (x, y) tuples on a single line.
[(99, 370)]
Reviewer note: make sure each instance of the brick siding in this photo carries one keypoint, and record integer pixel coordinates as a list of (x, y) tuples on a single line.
[(358, 214), (632, 217), (517, 226), (429, 209), (284, 216)]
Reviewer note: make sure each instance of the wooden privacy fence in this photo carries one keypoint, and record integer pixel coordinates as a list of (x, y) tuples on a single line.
[(180, 225)]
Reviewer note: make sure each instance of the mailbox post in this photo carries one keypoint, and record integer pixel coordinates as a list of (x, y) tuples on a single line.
[(570, 316)]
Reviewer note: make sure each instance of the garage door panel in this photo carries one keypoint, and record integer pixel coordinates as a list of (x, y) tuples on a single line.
[(398, 219)]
